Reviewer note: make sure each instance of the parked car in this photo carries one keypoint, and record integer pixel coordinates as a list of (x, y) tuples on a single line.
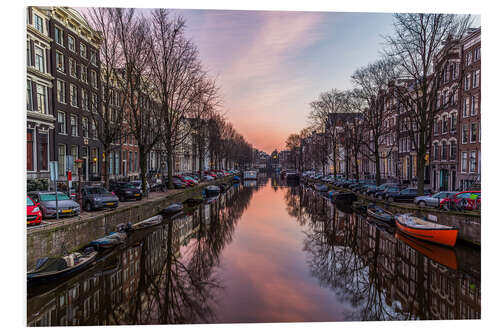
[(33, 212), (407, 194), (432, 200), (390, 190), (191, 178), (47, 204), (189, 181), (178, 183), (380, 189), (468, 200), (125, 191), (367, 187), (208, 178), (97, 197), (138, 185)]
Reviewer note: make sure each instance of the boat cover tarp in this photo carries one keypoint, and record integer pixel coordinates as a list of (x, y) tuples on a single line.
[(47, 264)]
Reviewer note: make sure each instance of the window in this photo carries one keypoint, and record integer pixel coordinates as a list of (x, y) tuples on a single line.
[(477, 53), (74, 153), (43, 152), (83, 73), (135, 162), (436, 127), (41, 98), (38, 23), (29, 150), (59, 61), (473, 161), (58, 36), (83, 50), (467, 82), (444, 151), (93, 57), (61, 122), (436, 151), (72, 67), (94, 130), (130, 161), (61, 91), (94, 102), (40, 59), (74, 125), (473, 132), (465, 110), (93, 154), (29, 95), (453, 150), (71, 43), (468, 58), (85, 127), (61, 155), (93, 78), (475, 79), (117, 163), (73, 95), (464, 162), (445, 124), (85, 100), (453, 120), (465, 131), (473, 105)]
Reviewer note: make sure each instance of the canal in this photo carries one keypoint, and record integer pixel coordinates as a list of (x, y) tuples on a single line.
[(266, 251)]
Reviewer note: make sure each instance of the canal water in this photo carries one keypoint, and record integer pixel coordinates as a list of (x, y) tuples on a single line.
[(266, 251)]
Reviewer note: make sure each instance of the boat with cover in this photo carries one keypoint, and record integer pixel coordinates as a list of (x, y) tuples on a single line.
[(380, 213), (211, 190), (426, 230), (110, 240), (193, 201), (152, 221), (441, 254), (342, 196), (321, 187), (171, 209), (50, 268)]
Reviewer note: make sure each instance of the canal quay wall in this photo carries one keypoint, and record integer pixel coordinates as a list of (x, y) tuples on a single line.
[(467, 222), (67, 236)]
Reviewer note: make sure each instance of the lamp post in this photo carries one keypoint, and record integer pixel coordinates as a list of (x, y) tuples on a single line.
[(79, 163)]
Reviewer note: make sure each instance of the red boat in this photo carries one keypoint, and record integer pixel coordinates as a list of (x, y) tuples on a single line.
[(426, 230), (442, 254)]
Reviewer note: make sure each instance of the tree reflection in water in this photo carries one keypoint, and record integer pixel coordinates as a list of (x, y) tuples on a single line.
[(380, 277)]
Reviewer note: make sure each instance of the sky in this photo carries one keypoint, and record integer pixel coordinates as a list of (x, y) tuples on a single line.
[(270, 65)]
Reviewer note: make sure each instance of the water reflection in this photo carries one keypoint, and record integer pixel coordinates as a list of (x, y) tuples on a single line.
[(269, 251), (162, 275), (382, 275)]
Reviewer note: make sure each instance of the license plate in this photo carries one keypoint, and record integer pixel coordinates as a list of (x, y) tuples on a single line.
[(109, 203), (137, 194), (67, 210)]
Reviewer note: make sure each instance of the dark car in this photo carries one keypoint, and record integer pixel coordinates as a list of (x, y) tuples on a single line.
[(178, 183), (47, 201), (125, 191), (96, 197), (390, 190), (407, 194), (380, 189)]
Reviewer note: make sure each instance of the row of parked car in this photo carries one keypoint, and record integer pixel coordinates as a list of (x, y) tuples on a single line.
[(394, 192), (42, 204)]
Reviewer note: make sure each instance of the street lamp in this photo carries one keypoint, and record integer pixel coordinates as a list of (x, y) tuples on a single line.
[(79, 163)]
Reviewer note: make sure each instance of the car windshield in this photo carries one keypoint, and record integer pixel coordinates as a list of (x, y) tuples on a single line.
[(52, 196), (127, 185), (392, 189), (29, 202), (96, 190)]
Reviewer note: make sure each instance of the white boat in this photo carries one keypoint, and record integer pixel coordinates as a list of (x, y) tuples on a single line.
[(250, 174)]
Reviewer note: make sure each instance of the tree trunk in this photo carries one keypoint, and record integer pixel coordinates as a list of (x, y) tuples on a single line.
[(335, 161), (377, 165), (169, 169), (356, 166), (420, 171), (105, 172), (142, 163)]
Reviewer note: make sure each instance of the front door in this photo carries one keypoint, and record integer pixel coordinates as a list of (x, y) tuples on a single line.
[(443, 186)]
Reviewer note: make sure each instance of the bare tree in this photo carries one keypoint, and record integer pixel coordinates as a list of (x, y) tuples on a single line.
[(177, 76), (353, 130), (417, 41), (371, 82), (293, 145)]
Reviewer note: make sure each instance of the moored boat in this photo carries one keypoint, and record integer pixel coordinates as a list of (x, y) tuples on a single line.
[(380, 213), (342, 196), (110, 240), (48, 269), (426, 230), (152, 221), (444, 255), (321, 187), (211, 190)]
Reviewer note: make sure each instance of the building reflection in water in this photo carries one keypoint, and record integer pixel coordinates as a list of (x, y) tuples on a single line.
[(161, 275), (381, 276)]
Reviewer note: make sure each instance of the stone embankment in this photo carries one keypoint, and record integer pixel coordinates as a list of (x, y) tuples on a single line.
[(67, 235)]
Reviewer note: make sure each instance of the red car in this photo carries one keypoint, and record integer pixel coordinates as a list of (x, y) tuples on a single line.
[(470, 200), (34, 214), (188, 182)]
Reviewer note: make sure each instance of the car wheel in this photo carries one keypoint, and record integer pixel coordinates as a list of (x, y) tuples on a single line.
[(88, 206), (422, 204), (391, 199), (139, 198), (121, 198)]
